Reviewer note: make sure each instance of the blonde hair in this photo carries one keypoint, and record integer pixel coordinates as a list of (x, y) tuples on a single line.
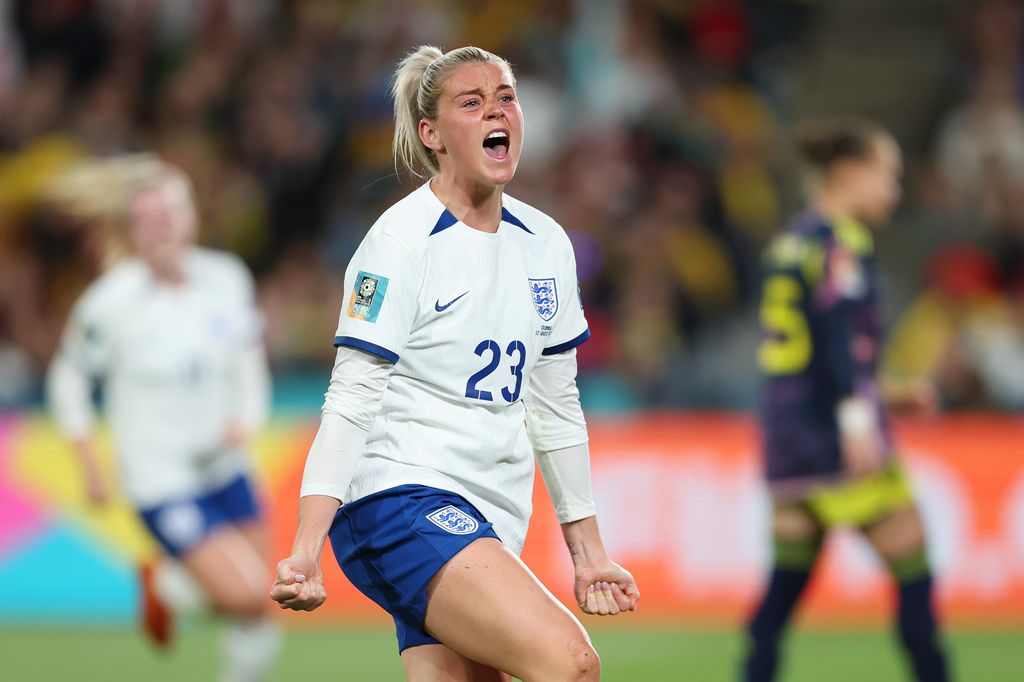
[(100, 192), (416, 89)]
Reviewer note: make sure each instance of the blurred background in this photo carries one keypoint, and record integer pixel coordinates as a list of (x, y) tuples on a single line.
[(657, 135)]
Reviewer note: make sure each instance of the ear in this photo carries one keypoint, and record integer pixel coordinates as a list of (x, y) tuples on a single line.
[(429, 136)]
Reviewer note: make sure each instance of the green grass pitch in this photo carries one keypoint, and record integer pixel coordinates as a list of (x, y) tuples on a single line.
[(641, 654)]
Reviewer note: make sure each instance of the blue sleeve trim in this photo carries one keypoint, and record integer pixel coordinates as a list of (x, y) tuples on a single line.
[(568, 345), (372, 348)]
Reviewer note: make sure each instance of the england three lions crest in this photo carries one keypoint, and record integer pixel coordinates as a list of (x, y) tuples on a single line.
[(545, 297), (453, 520)]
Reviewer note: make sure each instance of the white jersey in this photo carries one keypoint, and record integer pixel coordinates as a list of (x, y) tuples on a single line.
[(464, 315), (167, 357)]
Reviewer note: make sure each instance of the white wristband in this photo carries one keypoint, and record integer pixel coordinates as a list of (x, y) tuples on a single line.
[(856, 416)]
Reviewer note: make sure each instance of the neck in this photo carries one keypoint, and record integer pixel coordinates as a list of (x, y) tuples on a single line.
[(832, 204), (167, 273), (475, 205)]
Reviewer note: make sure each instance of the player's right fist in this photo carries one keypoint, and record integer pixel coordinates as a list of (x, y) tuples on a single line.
[(299, 585)]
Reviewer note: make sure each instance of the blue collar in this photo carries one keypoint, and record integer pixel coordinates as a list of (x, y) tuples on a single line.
[(444, 222), (447, 220)]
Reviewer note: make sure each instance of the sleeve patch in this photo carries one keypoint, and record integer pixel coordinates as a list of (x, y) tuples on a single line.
[(367, 296)]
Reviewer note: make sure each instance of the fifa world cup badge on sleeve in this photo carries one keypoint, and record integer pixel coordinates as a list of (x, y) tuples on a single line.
[(545, 297), (453, 520), (367, 296)]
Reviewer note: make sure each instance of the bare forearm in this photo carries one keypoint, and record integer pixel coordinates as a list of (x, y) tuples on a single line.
[(583, 539), (82, 445), (85, 452), (316, 514)]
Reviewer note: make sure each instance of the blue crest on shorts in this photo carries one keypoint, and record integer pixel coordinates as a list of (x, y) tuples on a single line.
[(453, 520), (545, 297)]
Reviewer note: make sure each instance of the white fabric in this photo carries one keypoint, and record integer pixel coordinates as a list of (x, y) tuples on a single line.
[(566, 474), (169, 358), (70, 394), (357, 386), (554, 417), (461, 317), (558, 431), (332, 457), (253, 388), (249, 649), (178, 589), (857, 415), (350, 406)]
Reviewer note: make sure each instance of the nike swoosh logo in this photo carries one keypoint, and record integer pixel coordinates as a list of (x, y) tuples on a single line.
[(441, 308)]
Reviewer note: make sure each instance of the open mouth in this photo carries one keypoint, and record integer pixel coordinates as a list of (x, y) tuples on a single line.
[(496, 145)]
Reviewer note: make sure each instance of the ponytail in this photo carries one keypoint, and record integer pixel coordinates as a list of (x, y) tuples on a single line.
[(408, 150)]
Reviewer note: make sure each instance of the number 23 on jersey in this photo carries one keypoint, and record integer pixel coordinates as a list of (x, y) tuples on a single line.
[(516, 352)]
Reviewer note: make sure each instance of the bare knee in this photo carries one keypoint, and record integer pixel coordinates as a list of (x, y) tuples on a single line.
[(575, 660), (586, 664), (582, 662)]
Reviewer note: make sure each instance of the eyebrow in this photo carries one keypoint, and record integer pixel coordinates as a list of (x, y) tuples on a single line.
[(478, 91)]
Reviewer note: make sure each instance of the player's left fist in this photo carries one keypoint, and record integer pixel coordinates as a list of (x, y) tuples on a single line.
[(606, 590), (299, 584)]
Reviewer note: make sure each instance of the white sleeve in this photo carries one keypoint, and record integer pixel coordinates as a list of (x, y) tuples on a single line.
[(381, 284), (566, 475), (253, 380), (569, 325), (85, 341), (83, 354), (351, 404), (558, 431), (69, 396), (554, 417), (252, 376)]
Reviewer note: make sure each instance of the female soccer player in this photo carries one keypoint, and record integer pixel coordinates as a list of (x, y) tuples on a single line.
[(456, 355), (829, 455), (174, 334)]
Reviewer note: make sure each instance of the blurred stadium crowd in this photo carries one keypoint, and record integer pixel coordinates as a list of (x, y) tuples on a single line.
[(656, 134)]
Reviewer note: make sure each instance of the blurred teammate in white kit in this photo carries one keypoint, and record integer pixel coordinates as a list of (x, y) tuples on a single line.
[(173, 333)]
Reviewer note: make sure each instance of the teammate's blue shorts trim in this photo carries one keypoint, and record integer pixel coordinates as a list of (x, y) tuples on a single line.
[(179, 525), (391, 543)]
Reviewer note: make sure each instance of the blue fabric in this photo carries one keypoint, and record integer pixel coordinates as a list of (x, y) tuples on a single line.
[(919, 631), (798, 410), (389, 549), (447, 220), (509, 218), (444, 222), (568, 345), (367, 347), (179, 525), (766, 628)]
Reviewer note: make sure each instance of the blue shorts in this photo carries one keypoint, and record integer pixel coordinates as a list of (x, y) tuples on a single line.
[(391, 543), (180, 524)]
